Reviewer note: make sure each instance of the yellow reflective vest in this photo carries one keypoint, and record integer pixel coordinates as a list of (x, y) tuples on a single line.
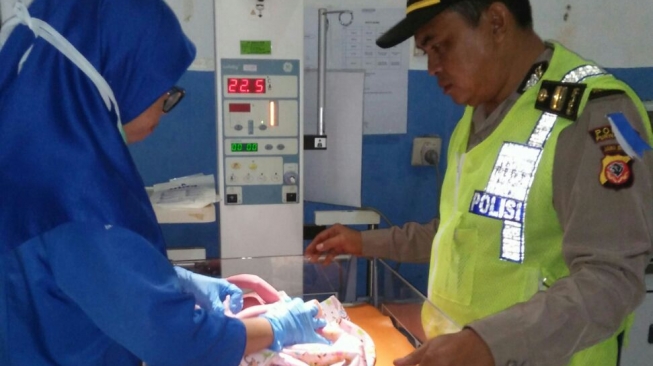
[(499, 239)]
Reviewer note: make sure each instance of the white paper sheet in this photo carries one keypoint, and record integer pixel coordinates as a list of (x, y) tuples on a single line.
[(353, 47), (195, 191)]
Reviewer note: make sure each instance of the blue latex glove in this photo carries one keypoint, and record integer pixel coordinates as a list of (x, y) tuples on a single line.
[(210, 292), (294, 322)]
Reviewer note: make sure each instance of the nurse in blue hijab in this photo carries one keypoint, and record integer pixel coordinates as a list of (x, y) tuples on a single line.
[(84, 278)]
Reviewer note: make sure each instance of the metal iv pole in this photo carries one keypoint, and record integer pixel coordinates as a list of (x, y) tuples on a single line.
[(319, 140)]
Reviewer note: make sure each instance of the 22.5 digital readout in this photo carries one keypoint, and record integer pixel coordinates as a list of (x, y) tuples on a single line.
[(244, 146), (246, 85)]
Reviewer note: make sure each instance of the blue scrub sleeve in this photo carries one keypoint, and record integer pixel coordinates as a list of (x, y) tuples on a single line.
[(132, 293)]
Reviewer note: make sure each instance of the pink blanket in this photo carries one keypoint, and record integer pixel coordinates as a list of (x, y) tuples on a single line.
[(352, 346)]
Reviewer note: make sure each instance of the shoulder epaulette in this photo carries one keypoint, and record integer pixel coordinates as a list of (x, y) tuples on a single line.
[(600, 93), (562, 99)]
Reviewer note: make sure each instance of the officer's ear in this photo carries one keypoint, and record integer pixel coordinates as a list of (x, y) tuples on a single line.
[(498, 16)]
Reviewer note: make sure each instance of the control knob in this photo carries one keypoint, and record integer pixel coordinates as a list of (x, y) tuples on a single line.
[(290, 178)]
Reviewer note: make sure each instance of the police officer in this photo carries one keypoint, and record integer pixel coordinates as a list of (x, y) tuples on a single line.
[(546, 212)]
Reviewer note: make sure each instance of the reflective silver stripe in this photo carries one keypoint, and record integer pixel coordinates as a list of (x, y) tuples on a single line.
[(513, 170), (513, 175), (512, 243), (580, 73), (542, 130)]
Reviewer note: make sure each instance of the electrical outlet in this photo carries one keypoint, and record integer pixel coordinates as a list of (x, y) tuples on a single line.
[(424, 146)]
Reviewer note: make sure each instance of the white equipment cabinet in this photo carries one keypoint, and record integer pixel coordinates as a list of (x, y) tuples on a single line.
[(259, 87)]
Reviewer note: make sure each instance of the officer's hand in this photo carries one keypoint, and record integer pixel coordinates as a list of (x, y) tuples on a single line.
[(295, 322), (335, 240), (210, 292), (462, 348)]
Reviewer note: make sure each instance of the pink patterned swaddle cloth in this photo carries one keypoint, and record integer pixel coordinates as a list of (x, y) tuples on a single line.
[(351, 346)]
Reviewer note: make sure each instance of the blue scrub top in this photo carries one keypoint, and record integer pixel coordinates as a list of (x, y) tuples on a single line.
[(94, 294), (84, 279)]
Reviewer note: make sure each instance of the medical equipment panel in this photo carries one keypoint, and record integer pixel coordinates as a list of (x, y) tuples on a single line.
[(260, 106)]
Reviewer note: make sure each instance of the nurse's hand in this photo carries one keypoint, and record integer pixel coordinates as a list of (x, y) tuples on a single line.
[(462, 348), (210, 292), (337, 239), (295, 322)]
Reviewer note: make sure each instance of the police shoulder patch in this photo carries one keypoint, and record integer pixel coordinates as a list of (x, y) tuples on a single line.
[(616, 168), (562, 99)]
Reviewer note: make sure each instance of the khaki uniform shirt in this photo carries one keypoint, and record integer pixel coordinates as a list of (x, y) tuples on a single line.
[(606, 245)]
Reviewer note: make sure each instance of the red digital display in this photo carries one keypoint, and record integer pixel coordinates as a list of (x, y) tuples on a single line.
[(245, 85), (239, 107)]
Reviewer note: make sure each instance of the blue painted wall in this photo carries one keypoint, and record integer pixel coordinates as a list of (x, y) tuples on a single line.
[(640, 79), (185, 144)]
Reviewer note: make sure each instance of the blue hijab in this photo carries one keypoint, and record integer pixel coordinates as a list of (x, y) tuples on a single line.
[(62, 159)]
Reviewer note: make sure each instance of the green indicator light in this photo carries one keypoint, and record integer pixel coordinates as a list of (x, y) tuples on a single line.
[(255, 47)]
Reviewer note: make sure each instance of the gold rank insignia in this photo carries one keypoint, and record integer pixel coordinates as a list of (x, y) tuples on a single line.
[(616, 171), (562, 99)]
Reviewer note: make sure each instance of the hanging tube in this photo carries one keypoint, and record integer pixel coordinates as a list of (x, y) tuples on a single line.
[(321, 69), (323, 25)]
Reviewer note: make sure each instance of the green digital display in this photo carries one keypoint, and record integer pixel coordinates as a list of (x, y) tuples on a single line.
[(244, 146), (255, 47)]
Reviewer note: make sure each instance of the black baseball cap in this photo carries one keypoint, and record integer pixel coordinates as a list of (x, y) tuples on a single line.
[(418, 13)]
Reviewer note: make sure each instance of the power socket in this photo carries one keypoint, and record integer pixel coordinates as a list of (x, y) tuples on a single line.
[(424, 146)]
